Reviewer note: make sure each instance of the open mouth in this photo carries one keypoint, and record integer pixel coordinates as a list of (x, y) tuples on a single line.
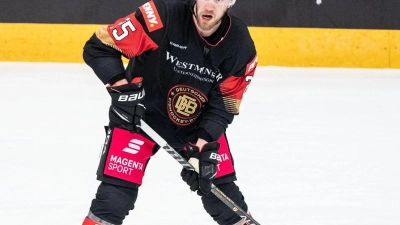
[(207, 17)]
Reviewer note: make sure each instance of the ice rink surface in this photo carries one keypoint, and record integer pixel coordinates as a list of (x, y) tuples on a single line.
[(311, 147)]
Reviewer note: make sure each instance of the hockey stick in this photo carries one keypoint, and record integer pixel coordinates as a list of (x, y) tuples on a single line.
[(218, 193)]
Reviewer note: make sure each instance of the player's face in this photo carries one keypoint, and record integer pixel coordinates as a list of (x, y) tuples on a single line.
[(210, 12)]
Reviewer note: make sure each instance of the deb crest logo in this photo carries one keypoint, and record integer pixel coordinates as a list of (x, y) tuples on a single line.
[(151, 16), (184, 104)]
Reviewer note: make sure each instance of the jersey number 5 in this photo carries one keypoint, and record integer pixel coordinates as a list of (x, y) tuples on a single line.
[(126, 27)]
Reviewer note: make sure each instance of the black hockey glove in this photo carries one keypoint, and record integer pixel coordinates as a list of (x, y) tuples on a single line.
[(126, 109), (207, 161)]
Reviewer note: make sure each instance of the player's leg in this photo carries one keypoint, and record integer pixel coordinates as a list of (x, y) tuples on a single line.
[(112, 204), (221, 213), (121, 170), (226, 176)]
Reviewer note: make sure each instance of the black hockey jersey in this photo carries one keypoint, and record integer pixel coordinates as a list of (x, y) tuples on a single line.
[(194, 85)]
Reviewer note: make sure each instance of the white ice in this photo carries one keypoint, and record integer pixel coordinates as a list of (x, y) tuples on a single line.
[(311, 147)]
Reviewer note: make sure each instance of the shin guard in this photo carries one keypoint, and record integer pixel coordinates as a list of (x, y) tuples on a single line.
[(217, 209)]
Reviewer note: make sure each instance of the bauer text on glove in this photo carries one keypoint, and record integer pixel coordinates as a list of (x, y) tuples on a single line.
[(126, 108)]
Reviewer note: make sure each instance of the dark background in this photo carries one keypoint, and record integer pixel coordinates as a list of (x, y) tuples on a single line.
[(369, 14)]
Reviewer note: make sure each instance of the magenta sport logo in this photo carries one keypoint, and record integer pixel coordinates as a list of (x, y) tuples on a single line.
[(128, 155), (133, 146)]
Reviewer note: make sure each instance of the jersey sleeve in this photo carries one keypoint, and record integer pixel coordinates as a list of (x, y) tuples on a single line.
[(224, 101), (130, 36), (233, 88), (136, 33)]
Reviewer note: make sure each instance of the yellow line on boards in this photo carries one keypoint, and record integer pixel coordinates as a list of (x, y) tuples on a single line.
[(302, 47)]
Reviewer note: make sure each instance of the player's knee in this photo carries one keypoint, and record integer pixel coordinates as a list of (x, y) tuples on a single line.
[(113, 203), (221, 213)]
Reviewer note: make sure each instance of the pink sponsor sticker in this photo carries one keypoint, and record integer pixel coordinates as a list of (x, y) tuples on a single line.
[(225, 165), (128, 155)]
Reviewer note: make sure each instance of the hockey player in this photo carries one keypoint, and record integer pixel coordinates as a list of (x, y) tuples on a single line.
[(190, 63)]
